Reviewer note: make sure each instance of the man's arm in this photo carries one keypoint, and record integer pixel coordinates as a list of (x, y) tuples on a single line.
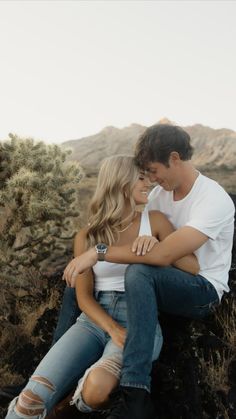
[(175, 246), (161, 228), (178, 244)]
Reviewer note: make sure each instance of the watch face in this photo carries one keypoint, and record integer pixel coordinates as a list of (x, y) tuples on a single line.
[(101, 247)]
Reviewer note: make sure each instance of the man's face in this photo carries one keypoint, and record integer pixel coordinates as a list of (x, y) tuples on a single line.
[(163, 175)]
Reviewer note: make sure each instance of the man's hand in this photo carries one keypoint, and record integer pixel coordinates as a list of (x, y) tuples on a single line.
[(118, 335), (78, 265), (143, 244)]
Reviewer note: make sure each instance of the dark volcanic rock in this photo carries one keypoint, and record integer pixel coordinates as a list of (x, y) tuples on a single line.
[(195, 376)]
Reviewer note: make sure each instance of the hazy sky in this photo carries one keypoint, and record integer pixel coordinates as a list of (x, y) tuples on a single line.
[(70, 68)]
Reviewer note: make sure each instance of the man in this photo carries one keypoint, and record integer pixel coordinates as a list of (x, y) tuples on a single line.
[(203, 215)]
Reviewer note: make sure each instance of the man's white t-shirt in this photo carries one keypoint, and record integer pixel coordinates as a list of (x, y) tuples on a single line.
[(209, 209)]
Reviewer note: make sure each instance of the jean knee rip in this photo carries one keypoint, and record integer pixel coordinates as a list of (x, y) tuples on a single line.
[(111, 364), (43, 381), (42, 387), (31, 408), (31, 400)]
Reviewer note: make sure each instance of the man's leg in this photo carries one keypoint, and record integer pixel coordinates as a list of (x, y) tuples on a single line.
[(149, 289), (68, 313)]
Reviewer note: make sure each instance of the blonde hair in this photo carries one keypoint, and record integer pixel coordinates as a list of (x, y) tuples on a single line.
[(116, 180)]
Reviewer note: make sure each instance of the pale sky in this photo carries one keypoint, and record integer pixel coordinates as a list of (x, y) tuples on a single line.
[(70, 68)]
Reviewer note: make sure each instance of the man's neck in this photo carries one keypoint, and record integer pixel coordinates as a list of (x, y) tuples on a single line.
[(188, 177)]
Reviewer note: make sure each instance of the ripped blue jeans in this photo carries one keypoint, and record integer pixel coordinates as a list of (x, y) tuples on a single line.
[(81, 346)]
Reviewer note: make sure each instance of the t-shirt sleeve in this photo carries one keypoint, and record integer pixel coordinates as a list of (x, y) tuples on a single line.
[(213, 218)]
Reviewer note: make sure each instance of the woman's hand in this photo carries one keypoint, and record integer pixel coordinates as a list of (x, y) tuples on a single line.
[(78, 265), (143, 244), (118, 335)]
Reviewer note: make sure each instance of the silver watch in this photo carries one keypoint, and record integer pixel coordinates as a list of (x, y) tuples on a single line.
[(101, 249)]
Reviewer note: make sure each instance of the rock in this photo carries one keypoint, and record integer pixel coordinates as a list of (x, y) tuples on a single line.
[(195, 376)]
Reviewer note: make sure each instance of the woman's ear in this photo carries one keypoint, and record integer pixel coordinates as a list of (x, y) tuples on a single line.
[(126, 194)]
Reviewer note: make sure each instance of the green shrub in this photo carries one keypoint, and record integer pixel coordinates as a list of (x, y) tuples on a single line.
[(38, 203)]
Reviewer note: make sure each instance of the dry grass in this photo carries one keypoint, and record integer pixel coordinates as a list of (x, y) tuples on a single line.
[(29, 317), (8, 377), (215, 368), (21, 307), (226, 319)]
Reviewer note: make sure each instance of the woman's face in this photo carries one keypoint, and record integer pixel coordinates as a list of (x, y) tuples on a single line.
[(141, 189)]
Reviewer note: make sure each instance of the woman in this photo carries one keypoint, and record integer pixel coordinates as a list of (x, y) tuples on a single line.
[(100, 331)]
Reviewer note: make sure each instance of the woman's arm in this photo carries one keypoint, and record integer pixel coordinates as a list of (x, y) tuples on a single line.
[(84, 285)]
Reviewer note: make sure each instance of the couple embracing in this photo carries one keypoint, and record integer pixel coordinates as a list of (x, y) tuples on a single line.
[(174, 257)]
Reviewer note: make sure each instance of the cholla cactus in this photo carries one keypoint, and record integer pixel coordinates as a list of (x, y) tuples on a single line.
[(38, 203)]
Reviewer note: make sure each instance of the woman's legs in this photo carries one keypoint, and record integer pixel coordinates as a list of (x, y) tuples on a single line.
[(104, 375), (67, 317), (59, 370), (95, 387), (99, 380)]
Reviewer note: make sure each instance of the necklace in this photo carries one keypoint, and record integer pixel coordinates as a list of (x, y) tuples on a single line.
[(126, 228), (130, 224)]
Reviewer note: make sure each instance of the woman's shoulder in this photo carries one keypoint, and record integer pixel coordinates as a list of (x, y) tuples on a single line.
[(157, 219), (82, 233), (155, 214)]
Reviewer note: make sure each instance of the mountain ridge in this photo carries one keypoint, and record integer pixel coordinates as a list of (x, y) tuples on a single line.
[(213, 148)]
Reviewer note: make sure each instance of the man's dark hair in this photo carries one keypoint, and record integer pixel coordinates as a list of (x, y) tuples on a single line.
[(158, 141)]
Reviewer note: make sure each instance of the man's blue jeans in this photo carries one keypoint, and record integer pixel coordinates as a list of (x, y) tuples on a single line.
[(150, 289), (68, 313)]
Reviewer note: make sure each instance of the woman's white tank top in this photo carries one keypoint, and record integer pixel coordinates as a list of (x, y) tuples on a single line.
[(110, 276)]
